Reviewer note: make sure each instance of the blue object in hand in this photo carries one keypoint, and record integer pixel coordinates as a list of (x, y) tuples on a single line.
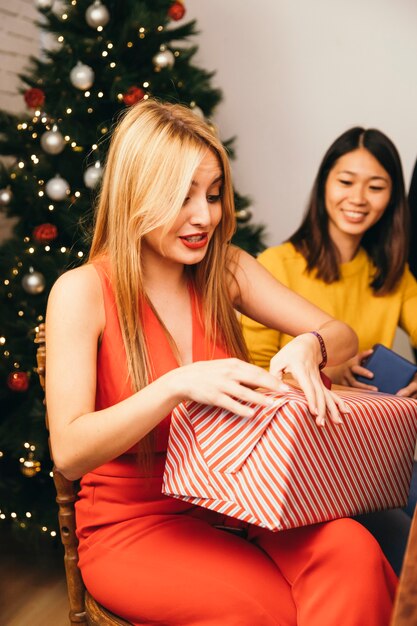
[(391, 371)]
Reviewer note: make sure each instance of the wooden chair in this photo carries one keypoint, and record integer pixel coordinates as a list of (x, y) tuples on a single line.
[(84, 609), (405, 608)]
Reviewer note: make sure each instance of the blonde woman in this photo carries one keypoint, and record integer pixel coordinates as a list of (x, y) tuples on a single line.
[(149, 322)]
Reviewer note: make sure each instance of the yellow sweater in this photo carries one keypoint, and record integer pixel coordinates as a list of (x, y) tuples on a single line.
[(350, 299)]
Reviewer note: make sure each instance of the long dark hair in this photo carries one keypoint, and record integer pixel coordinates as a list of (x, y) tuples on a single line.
[(386, 242)]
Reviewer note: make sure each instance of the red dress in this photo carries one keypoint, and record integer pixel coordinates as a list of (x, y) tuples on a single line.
[(153, 559)]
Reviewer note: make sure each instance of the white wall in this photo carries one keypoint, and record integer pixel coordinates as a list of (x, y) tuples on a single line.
[(297, 73), (19, 38)]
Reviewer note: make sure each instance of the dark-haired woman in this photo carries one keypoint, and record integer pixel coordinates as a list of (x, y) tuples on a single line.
[(349, 257), (349, 254)]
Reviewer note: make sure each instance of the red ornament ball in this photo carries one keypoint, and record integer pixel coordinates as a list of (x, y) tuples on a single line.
[(45, 233), (34, 97), (176, 11), (133, 95), (18, 381)]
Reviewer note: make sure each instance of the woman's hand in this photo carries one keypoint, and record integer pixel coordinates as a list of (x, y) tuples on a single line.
[(410, 391), (345, 374), (300, 357), (225, 383)]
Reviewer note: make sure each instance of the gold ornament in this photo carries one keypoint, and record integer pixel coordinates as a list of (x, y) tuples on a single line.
[(30, 466)]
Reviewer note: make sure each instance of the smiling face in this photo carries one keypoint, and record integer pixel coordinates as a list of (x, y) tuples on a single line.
[(187, 240), (357, 193)]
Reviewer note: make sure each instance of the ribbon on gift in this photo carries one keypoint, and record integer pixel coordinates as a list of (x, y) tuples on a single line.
[(280, 470)]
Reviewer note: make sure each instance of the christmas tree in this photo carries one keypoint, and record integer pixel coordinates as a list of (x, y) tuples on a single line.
[(100, 58)]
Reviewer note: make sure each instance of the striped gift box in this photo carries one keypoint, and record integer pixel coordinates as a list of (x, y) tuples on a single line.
[(279, 470)]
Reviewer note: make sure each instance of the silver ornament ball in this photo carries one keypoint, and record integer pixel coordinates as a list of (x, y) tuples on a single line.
[(52, 142), (82, 76), (44, 5), (97, 15), (92, 175), (57, 188), (5, 196), (33, 282), (163, 59), (198, 112)]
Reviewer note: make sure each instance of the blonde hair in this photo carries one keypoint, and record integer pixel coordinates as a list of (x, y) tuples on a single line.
[(154, 152)]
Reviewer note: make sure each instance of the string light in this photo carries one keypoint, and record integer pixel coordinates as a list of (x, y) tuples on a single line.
[(69, 110), (110, 45), (21, 165), (41, 193), (60, 39), (129, 44), (104, 53), (87, 94), (63, 249), (31, 250), (77, 194), (2, 342), (47, 248), (100, 94), (112, 64)]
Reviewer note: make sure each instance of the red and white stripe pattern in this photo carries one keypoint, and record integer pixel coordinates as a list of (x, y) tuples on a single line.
[(280, 470)]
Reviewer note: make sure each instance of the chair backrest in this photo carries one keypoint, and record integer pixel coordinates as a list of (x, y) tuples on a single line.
[(405, 608), (83, 608)]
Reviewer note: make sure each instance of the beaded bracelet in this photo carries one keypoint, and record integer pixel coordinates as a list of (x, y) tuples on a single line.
[(322, 348)]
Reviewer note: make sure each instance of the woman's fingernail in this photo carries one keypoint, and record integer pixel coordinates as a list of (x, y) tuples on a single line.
[(338, 420)]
